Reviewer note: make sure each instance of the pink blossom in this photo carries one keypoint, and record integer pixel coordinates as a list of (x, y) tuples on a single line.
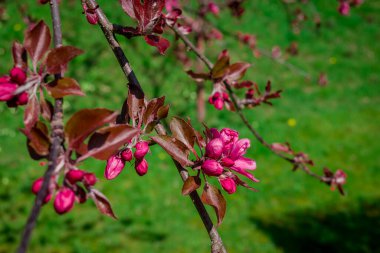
[(89, 179), (18, 75), (212, 168), (7, 90), (127, 155), (22, 99), (141, 167), (239, 148), (64, 200), (242, 164), (114, 166), (214, 148), (213, 8), (170, 5), (229, 137), (142, 148), (36, 187), (91, 15), (228, 184), (344, 8), (74, 176), (227, 162)]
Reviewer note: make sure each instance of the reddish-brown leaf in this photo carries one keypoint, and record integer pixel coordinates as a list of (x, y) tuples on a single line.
[(37, 41), (159, 42), (237, 70), (38, 140), (220, 68), (46, 108), (190, 185), (106, 141), (102, 203), (19, 55), (183, 131), (163, 112), (58, 58), (64, 87), (151, 110), (175, 148), (213, 197), (127, 6), (85, 122), (32, 111), (198, 77), (135, 103)]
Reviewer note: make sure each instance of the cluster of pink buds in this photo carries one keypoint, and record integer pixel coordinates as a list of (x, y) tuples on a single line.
[(8, 86), (345, 6), (70, 192), (224, 156), (217, 99), (116, 163)]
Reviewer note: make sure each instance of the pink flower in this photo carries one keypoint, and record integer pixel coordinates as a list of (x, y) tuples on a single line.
[(217, 100), (214, 148), (89, 179), (64, 200), (74, 176), (141, 167), (91, 15), (142, 148), (18, 75), (7, 90), (22, 99), (114, 167), (344, 8), (242, 164), (212, 168), (36, 187), (127, 155), (229, 137), (228, 184), (227, 162), (5, 79), (213, 8), (239, 148)]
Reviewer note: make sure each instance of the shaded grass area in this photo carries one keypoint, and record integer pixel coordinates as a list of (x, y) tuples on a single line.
[(337, 125)]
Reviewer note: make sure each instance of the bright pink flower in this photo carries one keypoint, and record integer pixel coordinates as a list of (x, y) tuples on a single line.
[(344, 8), (141, 167), (127, 155), (227, 162), (214, 148), (5, 79), (212, 168), (142, 148), (115, 165), (7, 90), (36, 187), (229, 137), (89, 179), (217, 100), (170, 5), (22, 99), (339, 177), (18, 75), (213, 8), (74, 176), (91, 15), (242, 164), (239, 148), (228, 184), (64, 200)]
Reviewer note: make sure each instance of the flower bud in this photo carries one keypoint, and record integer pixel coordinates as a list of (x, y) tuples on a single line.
[(227, 162), (127, 155), (142, 149), (91, 15), (22, 99), (7, 90), (36, 187), (80, 195), (218, 104), (114, 167), (214, 148), (141, 167), (89, 179), (64, 200), (212, 168), (74, 176), (344, 8), (213, 8), (18, 75), (228, 184), (5, 79)]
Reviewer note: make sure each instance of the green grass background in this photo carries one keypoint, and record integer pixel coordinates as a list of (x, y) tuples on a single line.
[(337, 125)]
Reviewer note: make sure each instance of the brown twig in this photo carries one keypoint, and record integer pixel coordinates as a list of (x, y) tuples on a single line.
[(107, 28), (209, 65), (56, 147)]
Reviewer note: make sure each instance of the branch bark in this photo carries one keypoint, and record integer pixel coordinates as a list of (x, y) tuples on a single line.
[(56, 147), (107, 28)]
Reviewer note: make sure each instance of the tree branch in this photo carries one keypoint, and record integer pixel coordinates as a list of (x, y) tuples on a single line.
[(107, 28), (55, 148), (209, 65)]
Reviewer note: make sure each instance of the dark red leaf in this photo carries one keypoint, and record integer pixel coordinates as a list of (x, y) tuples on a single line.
[(46, 108), (213, 197), (163, 112), (84, 123), (183, 131), (175, 148), (32, 111), (106, 141), (20, 58), (237, 70), (102, 203), (220, 68), (127, 6), (199, 77), (58, 58), (160, 43), (135, 103), (151, 111), (64, 87), (38, 140), (190, 185), (37, 41)]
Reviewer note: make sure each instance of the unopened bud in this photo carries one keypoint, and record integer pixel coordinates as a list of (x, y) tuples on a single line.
[(127, 155), (64, 200), (212, 168), (228, 185), (114, 167), (22, 99), (18, 75), (141, 167), (214, 148), (7, 90), (89, 179), (74, 176), (142, 148)]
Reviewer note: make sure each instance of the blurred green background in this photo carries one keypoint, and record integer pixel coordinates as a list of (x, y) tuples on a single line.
[(337, 125)]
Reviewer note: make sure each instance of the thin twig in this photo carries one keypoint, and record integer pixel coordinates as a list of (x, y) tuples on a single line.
[(209, 65), (107, 28), (56, 147)]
